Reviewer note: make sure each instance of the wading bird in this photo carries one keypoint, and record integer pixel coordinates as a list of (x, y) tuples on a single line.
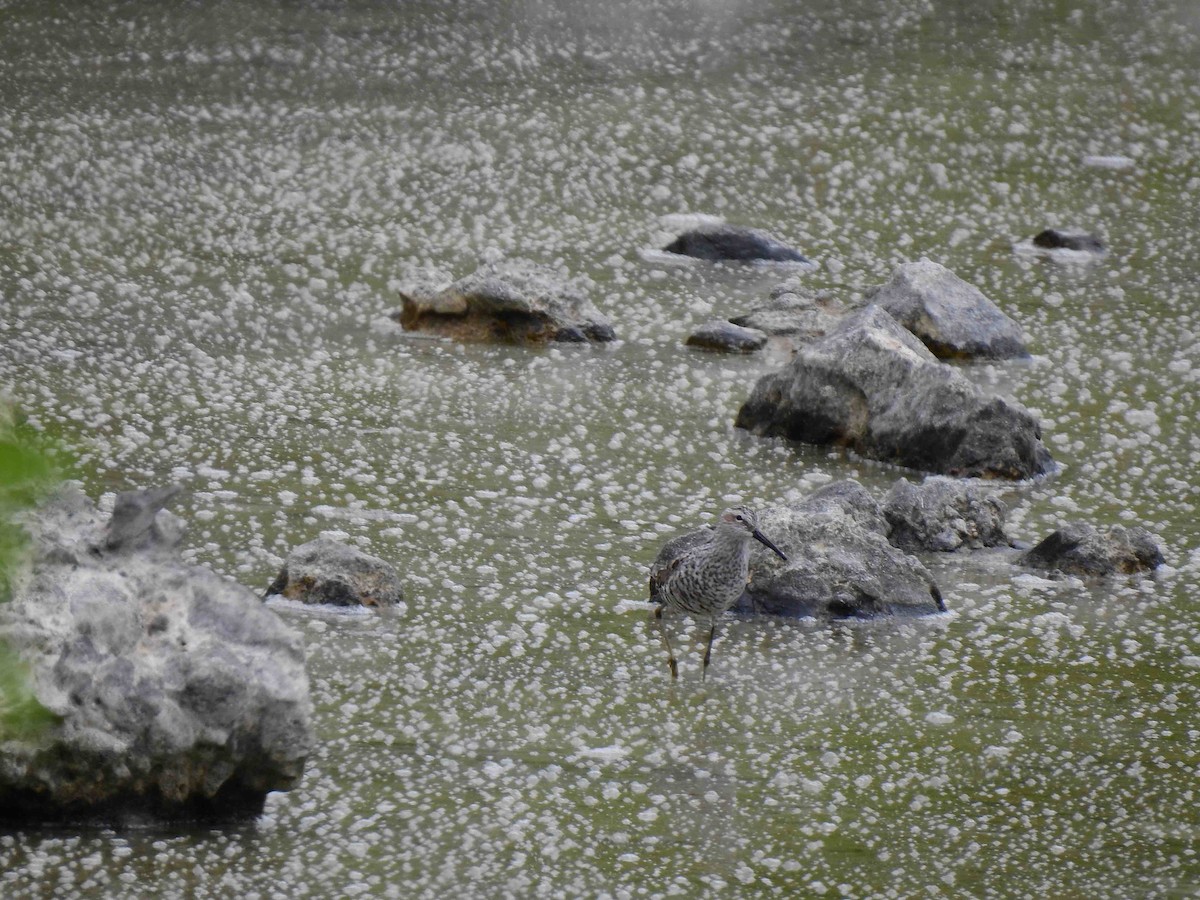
[(707, 578)]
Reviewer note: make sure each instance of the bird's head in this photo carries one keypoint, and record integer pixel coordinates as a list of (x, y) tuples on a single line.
[(744, 519)]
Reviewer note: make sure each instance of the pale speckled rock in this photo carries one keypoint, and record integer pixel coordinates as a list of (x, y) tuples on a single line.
[(178, 693), (942, 515), (795, 313), (138, 521)]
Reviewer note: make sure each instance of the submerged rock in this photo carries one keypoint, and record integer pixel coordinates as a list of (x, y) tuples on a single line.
[(951, 317), (328, 571), (175, 692), (513, 302), (941, 514), (1057, 239), (720, 335), (872, 387), (1084, 550), (839, 564), (792, 313), (732, 243)]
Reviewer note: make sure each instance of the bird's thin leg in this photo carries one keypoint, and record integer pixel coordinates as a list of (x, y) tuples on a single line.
[(712, 632), (662, 629)]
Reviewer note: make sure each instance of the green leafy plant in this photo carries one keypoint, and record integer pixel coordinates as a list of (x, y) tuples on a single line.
[(26, 473)]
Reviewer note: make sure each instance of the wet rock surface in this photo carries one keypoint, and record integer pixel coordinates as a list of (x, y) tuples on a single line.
[(733, 243), (720, 335), (511, 302), (951, 317), (328, 571), (794, 313), (177, 693), (872, 387), (1084, 550), (943, 515), (839, 564)]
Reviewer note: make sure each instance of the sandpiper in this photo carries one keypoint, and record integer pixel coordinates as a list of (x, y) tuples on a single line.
[(707, 578)]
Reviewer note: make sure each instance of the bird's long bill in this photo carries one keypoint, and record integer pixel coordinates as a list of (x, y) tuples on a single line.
[(763, 539)]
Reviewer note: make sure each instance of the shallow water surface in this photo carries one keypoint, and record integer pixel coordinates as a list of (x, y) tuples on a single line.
[(207, 214)]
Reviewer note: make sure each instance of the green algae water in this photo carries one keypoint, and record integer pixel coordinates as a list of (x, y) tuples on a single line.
[(206, 214)]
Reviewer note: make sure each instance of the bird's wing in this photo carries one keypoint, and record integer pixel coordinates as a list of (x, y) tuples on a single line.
[(660, 577)]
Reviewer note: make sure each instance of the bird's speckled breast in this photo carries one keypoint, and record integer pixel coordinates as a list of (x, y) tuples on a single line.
[(710, 578)]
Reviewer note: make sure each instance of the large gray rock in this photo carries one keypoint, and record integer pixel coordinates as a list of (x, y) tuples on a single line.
[(839, 564), (1084, 550), (328, 571), (951, 317), (942, 515), (872, 387), (512, 301), (733, 243), (176, 692)]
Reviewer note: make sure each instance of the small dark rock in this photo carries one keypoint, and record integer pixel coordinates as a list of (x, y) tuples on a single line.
[(942, 515), (732, 243), (719, 335), (327, 571), (1084, 550), (1055, 239)]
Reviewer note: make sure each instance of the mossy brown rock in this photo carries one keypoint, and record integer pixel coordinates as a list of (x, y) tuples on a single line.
[(509, 302), (328, 571)]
